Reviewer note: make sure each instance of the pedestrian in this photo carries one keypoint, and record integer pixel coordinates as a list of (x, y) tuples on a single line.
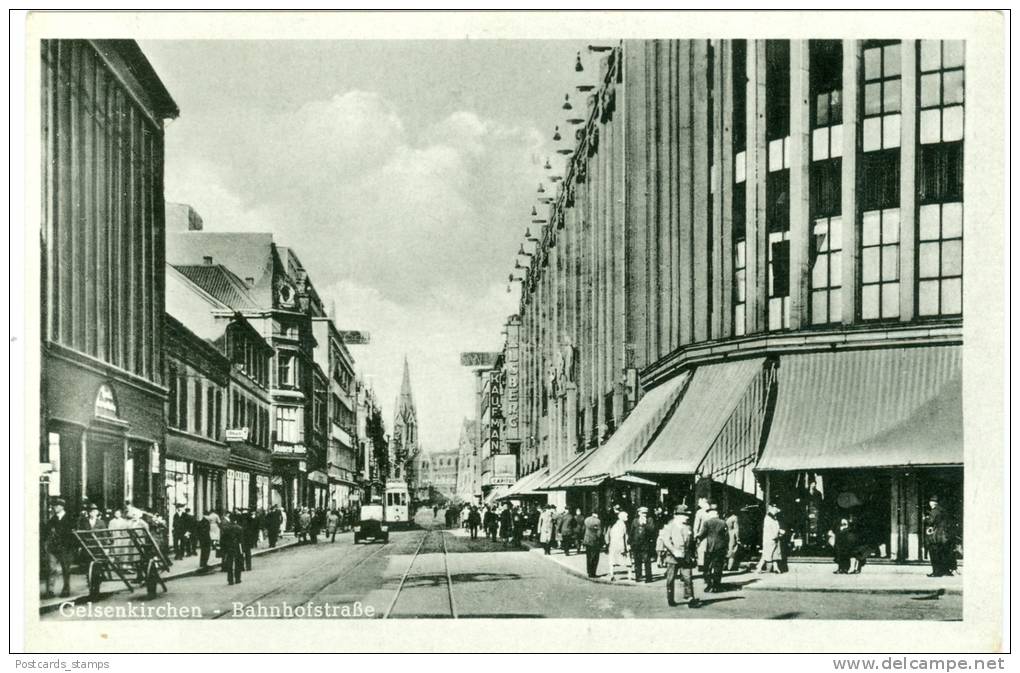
[(204, 539), (250, 540), (506, 524), (592, 540), (681, 556), (490, 521), (546, 528), (733, 552), (716, 537), (771, 553), (93, 521), (178, 529), (843, 542), (618, 540), (938, 536), (332, 525), (231, 549), (578, 530), (517, 525), (699, 518), (274, 522), (566, 530), (303, 523), (474, 520), (60, 546), (317, 524), (643, 534)]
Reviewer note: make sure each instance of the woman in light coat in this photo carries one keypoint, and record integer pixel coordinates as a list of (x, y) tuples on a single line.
[(547, 528), (770, 541), (619, 547)]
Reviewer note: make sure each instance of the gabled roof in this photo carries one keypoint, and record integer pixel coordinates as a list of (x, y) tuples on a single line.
[(221, 283), (247, 255)]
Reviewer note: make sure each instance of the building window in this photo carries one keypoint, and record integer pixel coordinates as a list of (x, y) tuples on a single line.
[(777, 181), (199, 429), (881, 100), (172, 393), (940, 259), (779, 279), (183, 384), (286, 373), (826, 270), (288, 425), (880, 259), (941, 91), (739, 287)]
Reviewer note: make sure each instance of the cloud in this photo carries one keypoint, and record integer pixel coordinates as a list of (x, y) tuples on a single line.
[(411, 230)]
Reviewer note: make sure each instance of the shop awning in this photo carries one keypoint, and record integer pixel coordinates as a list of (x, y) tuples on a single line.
[(873, 408), (493, 496), (526, 484), (187, 447), (699, 418), (562, 477), (615, 457), (244, 456)]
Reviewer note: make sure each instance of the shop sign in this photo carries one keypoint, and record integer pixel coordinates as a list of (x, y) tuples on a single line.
[(302, 466), (237, 434), (504, 470), (289, 449), (511, 391), (105, 405), (486, 360)]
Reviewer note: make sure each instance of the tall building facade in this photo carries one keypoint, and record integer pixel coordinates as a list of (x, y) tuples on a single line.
[(469, 487), (339, 407), (749, 284), (103, 110)]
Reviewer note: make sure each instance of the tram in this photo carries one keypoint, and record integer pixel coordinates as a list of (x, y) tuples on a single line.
[(398, 502)]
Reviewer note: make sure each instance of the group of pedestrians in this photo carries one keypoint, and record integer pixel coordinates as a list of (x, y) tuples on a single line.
[(310, 523)]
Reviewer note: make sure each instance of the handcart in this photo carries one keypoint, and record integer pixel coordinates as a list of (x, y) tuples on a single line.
[(130, 554)]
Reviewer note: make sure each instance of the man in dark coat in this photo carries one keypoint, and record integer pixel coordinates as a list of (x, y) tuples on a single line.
[(938, 535), (566, 528), (231, 537), (204, 538), (490, 521), (60, 546), (273, 522), (179, 528), (474, 520), (592, 543), (681, 556), (506, 524), (250, 537), (716, 535), (643, 534)]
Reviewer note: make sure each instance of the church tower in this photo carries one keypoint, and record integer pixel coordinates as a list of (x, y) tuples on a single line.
[(404, 437)]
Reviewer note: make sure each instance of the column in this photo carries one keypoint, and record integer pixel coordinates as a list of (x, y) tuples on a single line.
[(800, 164), (682, 174), (908, 188), (637, 197), (757, 234), (698, 329), (851, 69)]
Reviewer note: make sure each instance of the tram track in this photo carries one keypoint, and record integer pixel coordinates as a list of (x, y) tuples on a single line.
[(417, 557)]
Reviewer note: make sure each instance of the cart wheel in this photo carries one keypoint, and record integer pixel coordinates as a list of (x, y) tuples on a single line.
[(95, 579), (151, 579)]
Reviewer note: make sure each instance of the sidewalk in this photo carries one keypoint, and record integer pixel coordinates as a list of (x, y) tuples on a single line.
[(816, 577), (186, 567)]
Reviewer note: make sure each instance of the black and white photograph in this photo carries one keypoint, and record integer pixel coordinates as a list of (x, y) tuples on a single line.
[(357, 317)]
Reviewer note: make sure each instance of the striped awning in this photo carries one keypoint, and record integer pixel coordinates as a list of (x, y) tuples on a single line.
[(526, 484), (562, 477), (699, 419), (869, 408), (614, 458)]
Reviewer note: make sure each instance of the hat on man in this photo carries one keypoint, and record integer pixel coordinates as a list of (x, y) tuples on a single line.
[(681, 510), (94, 507), (933, 497), (642, 510), (713, 507), (58, 501)]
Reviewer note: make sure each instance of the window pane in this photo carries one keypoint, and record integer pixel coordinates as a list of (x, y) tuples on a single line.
[(820, 144), (931, 121), (821, 235), (931, 90), (891, 63), (835, 305), (929, 230), (952, 258), (741, 286), (869, 265), (873, 63), (928, 261), (953, 83), (952, 220), (738, 319), (890, 225), (740, 167), (822, 110), (870, 228), (836, 233), (891, 96), (952, 296), (836, 145), (872, 134), (741, 254), (890, 300), (952, 53), (776, 155), (869, 302), (836, 106), (775, 313), (786, 152), (928, 297), (930, 55), (819, 307), (835, 269), (873, 98), (952, 123), (820, 272), (891, 131), (890, 262)]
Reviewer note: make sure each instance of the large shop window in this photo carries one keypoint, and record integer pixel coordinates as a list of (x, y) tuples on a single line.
[(882, 85)]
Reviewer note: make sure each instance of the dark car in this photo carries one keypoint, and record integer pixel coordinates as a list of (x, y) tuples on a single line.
[(371, 524)]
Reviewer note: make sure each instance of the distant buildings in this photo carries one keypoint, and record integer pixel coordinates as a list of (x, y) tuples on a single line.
[(469, 487)]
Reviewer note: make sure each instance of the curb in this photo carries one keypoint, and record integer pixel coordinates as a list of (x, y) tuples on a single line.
[(84, 598), (933, 590)]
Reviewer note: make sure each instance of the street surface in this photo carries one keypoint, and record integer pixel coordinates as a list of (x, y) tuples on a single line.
[(410, 577)]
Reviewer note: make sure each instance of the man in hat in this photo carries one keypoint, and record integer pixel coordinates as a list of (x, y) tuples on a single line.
[(274, 522), (643, 534), (593, 542), (716, 539), (681, 556), (178, 528), (231, 535), (939, 538), (60, 546)]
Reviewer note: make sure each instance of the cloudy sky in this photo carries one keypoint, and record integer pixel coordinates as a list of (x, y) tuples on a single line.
[(402, 173)]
